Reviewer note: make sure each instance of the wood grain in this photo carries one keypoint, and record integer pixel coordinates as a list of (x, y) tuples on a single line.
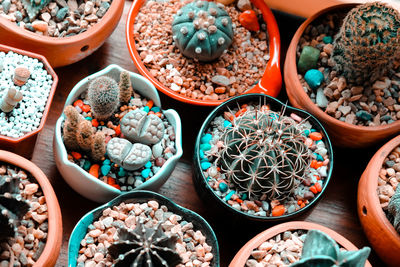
[(336, 210)]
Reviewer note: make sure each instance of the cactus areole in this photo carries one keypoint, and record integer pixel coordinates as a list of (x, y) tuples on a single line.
[(202, 30)]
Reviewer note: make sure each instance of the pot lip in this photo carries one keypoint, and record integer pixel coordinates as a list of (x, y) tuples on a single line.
[(50, 71), (54, 235), (290, 73), (273, 66), (243, 254), (216, 111), (142, 194), (51, 41), (72, 97)]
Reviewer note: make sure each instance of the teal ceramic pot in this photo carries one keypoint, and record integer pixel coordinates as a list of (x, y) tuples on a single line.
[(198, 222)]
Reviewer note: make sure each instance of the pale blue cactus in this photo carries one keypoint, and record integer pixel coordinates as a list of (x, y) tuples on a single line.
[(33, 7), (202, 30)]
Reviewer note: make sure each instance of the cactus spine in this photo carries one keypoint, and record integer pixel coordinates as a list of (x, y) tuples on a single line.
[(125, 87), (72, 118), (84, 136), (103, 97), (98, 146)]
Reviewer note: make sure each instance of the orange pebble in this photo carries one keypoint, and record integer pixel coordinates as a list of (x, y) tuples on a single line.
[(315, 136), (158, 114), (299, 202), (151, 112), (94, 170), (313, 189), (317, 177), (95, 123), (118, 129), (238, 200), (78, 103), (110, 181), (244, 106), (116, 186), (85, 108), (318, 164), (76, 155), (313, 163), (318, 187), (240, 112), (278, 210), (150, 104), (264, 108), (302, 205)]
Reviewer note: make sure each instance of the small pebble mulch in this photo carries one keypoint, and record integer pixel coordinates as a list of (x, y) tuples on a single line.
[(31, 236), (365, 105), (307, 189), (110, 172), (27, 114), (234, 72), (191, 245), (60, 18)]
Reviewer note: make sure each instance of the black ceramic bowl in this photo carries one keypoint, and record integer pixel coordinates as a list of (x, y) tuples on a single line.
[(207, 194), (199, 223)]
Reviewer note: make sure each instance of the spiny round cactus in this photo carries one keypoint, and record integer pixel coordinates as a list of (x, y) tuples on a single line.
[(202, 30), (367, 43), (103, 96), (264, 154)]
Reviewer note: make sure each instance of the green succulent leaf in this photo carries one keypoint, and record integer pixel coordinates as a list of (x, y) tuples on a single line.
[(354, 258), (318, 261), (394, 209), (318, 243)]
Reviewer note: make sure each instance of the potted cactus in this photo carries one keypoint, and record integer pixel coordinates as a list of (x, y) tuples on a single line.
[(261, 159), (115, 136), (340, 67)]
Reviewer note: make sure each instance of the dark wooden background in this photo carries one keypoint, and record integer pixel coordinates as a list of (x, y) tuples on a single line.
[(337, 208)]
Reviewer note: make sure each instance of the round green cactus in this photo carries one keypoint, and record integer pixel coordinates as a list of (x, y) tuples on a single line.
[(202, 30), (367, 43)]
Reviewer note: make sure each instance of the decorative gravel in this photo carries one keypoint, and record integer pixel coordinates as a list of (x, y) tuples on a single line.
[(29, 242), (234, 72), (26, 116), (191, 245), (365, 105)]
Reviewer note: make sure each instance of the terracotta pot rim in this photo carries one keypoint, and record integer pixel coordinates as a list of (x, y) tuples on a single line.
[(243, 254), (290, 70), (50, 71), (54, 235), (47, 40)]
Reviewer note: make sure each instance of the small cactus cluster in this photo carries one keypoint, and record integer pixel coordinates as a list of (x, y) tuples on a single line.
[(394, 209), (264, 154), (321, 250), (144, 246), (125, 87), (202, 30), (367, 43), (12, 207), (33, 7), (78, 133)]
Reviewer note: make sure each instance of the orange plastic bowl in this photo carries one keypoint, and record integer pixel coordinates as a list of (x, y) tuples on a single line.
[(269, 84)]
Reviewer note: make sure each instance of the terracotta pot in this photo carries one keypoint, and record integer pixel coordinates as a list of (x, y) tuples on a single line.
[(269, 84), (244, 253), (380, 232), (25, 144), (54, 235), (199, 223), (66, 50), (342, 134)]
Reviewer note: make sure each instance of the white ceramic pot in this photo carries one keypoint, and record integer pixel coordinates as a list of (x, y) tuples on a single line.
[(86, 184)]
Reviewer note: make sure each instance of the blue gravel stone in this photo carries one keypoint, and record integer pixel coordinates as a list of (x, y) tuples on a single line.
[(314, 78), (106, 162), (145, 173), (61, 14), (205, 165), (86, 165), (121, 172), (146, 108), (202, 156), (243, 196), (223, 187), (313, 130), (364, 115), (229, 195), (307, 132), (105, 169), (154, 109), (227, 123), (319, 157), (88, 118), (205, 147), (205, 139), (386, 118), (327, 39), (308, 59), (148, 165)]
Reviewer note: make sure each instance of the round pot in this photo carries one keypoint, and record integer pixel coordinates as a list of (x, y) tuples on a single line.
[(86, 184), (270, 83), (205, 191), (66, 50), (25, 144), (244, 253), (199, 223), (343, 134), (54, 235), (379, 231)]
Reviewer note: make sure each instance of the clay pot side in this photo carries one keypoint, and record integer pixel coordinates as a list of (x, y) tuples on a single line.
[(66, 50), (244, 253), (342, 134), (270, 83), (54, 235), (379, 231)]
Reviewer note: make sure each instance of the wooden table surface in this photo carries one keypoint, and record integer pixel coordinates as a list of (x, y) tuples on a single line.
[(337, 208)]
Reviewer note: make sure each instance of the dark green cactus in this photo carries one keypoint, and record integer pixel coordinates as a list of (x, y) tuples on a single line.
[(12, 207), (321, 250), (264, 154), (202, 30), (367, 43), (394, 209), (33, 7)]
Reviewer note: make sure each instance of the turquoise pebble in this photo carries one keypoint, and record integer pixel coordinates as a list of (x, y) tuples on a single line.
[(307, 132), (106, 162), (205, 165), (314, 78), (86, 165), (308, 59), (319, 141), (227, 123), (88, 118), (319, 157), (146, 108), (386, 118), (327, 39), (313, 130), (202, 156), (121, 172), (205, 147), (148, 165), (223, 187), (229, 195), (154, 109), (244, 196), (362, 114), (145, 173), (205, 139), (105, 169)]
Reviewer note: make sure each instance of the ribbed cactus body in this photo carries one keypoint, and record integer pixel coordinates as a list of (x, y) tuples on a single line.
[(202, 30), (264, 153), (367, 43), (103, 97)]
